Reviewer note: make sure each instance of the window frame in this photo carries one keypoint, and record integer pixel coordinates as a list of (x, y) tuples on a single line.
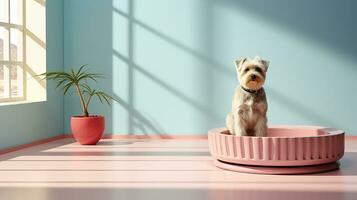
[(9, 63)]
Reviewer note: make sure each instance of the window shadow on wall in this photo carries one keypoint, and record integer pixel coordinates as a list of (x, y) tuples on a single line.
[(329, 26)]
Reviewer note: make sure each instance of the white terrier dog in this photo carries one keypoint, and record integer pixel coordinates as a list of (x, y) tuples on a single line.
[(249, 105)]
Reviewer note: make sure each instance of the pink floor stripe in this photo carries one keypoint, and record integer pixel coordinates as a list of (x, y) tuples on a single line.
[(112, 136), (156, 137)]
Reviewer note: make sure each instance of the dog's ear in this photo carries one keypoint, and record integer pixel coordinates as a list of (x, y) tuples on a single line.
[(238, 63), (265, 64)]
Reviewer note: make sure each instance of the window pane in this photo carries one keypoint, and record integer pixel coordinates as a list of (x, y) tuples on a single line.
[(4, 44), (16, 45), (4, 11), (4, 81), (16, 75), (16, 12)]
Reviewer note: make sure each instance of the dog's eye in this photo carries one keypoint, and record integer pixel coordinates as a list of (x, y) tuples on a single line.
[(258, 69), (246, 70)]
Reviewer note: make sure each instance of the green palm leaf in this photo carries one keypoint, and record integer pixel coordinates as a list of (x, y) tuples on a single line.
[(78, 80)]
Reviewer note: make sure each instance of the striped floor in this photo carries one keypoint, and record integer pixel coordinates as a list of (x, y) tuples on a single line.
[(167, 169)]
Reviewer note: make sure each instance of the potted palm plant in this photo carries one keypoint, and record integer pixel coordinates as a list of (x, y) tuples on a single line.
[(87, 129)]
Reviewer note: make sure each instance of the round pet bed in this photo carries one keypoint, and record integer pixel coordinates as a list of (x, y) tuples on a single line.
[(286, 150)]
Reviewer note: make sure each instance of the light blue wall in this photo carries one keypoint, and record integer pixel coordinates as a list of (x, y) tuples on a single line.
[(170, 62), (34, 121)]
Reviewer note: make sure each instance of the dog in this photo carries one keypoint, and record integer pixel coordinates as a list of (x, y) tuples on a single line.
[(249, 104)]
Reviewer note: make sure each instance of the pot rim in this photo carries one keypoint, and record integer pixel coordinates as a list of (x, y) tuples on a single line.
[(89, 117)]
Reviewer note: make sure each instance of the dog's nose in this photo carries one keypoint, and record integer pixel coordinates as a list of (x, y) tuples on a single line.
[(254, 77)]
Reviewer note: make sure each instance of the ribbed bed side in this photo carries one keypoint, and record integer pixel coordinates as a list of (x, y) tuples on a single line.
[(277, 148)]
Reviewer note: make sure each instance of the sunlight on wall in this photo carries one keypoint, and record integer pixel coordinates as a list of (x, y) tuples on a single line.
[(170, 63), (139, 40), (35, 49)]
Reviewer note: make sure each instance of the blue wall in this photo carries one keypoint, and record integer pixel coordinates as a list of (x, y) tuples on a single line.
[(29, 122), (171, 62)]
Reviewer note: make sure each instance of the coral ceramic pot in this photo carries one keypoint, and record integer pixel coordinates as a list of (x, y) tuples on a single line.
[(87, 130)]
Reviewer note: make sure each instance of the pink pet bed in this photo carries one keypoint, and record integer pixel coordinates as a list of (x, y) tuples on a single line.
[(286, 150)]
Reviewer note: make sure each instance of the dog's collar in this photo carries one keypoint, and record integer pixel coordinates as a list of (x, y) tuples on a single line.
[(249, 91)]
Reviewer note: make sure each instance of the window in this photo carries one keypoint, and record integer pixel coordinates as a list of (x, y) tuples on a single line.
[(11, 50), (22, 50)]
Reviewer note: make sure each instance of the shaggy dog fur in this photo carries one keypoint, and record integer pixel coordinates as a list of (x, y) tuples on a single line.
[(249, 104)]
